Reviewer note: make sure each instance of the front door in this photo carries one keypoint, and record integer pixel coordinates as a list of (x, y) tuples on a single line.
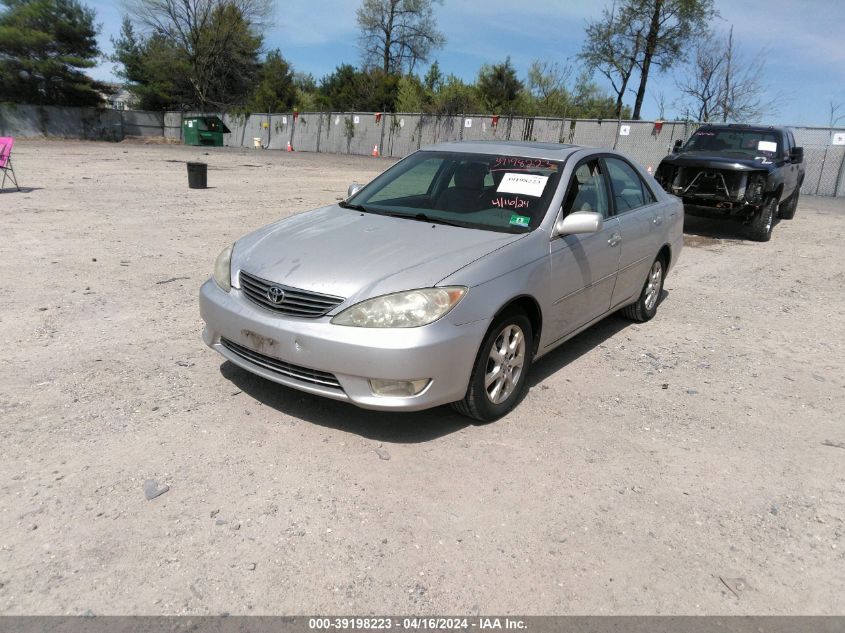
[(583, 267)]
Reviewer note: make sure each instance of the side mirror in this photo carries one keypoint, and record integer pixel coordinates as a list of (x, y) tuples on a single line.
[(579, 222), (677, 146), (353, 189), (797, 155)]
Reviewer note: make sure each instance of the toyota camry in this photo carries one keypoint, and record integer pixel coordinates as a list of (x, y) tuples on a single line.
[(444, 278)]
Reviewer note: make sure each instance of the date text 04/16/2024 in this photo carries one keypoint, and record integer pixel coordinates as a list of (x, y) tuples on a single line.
[(417, 623)]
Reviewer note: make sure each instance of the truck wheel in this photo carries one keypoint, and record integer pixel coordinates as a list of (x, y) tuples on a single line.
[(500, 375), (646, 306), (787, 209), (760, 228)]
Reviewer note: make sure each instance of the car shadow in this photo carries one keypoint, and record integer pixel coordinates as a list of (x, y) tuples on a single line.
[(700, 231), (397, 428), (415, 427), (583, 343)]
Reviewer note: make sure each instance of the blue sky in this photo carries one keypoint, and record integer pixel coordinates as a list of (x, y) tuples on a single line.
[(806, 63)]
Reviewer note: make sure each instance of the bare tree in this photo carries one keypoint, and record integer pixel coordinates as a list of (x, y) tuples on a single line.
[(660, 102), (834, 109), (720, 84), (215, 37), (701, 80), (613, 47), (396, 34), (546, 79), (548, 92)]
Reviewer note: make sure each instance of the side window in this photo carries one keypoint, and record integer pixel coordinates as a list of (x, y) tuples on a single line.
[(587, 190), (629, 190)]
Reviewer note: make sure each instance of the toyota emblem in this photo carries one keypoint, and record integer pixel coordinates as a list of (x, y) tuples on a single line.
[(275, 295)]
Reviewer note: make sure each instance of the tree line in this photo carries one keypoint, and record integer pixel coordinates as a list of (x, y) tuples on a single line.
[(210, 55)]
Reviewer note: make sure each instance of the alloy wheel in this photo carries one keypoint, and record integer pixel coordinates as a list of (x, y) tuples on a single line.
[(652, 290), (505, 364)]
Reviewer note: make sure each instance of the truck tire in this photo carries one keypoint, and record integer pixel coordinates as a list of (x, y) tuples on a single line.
[(760, 227), (788, 208)]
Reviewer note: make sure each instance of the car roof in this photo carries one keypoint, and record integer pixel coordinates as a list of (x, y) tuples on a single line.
[(529, 149), (745, 126)]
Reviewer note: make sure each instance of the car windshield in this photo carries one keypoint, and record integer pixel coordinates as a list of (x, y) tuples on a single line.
[(749, 143), (485, 191)]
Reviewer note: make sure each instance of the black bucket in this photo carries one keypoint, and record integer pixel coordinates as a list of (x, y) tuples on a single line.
[(197, 175)]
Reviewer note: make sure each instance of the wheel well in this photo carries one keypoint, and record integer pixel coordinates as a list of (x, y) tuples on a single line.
[(666, 254), (531, 308)]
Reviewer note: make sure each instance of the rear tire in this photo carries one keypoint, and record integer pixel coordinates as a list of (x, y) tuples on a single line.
[(646, 306), (500, 374), (760, 228)]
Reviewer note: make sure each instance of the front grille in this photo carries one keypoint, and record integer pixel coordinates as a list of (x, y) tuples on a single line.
[(303, 374), (298, 303), (710, 183)]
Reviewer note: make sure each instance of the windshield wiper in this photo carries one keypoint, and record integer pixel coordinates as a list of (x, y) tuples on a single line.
[(355, 207), (422, 217)]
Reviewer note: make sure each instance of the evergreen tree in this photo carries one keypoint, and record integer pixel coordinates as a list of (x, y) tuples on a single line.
[(45, 47), (499, 87), (276, 91)]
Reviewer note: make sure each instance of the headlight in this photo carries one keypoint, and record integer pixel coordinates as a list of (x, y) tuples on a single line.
[(223, 269), (411, 308)]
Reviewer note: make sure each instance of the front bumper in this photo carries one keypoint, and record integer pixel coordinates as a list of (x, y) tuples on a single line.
[(441, 351), (741, 210)]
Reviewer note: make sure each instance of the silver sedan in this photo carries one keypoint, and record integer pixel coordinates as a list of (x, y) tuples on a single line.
[(443, 279)]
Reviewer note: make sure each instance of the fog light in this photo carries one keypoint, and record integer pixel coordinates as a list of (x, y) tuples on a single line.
[(398, 388)]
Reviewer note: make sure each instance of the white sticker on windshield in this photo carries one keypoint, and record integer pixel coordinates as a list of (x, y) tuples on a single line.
[(525, 184), (767, 146)]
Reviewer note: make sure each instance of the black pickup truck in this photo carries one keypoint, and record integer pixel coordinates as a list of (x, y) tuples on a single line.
[(751, 173)]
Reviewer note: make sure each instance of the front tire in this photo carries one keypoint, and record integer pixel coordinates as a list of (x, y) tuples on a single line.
[(787, 209), (646, 306), (500, 374), (760, 228)]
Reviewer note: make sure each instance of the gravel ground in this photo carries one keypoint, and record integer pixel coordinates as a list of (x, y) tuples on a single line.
[(693, 464)]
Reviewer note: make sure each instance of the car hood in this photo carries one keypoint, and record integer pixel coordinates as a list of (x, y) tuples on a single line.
[(717, 161), (357, 255)]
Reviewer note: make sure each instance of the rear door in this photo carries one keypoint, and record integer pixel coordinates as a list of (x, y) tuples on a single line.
[(640, 220), (583, 267)]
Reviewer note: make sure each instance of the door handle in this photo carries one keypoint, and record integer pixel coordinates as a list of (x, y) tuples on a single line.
[(614, 239)]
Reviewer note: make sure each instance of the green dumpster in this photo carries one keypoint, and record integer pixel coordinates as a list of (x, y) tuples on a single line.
[(204, 130)]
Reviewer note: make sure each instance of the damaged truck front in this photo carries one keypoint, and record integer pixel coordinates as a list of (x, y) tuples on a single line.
[(751, 174)]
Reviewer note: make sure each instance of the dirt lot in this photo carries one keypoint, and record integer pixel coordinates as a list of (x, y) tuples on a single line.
[(693, 464)]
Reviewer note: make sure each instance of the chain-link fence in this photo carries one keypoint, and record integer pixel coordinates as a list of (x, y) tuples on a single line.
[(397, 135)]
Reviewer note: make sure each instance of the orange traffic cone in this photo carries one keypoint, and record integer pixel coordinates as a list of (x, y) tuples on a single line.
[(290, 147), (375, 151)]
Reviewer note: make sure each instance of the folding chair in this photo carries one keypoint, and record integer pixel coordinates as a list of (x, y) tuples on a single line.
[(6, 144)]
